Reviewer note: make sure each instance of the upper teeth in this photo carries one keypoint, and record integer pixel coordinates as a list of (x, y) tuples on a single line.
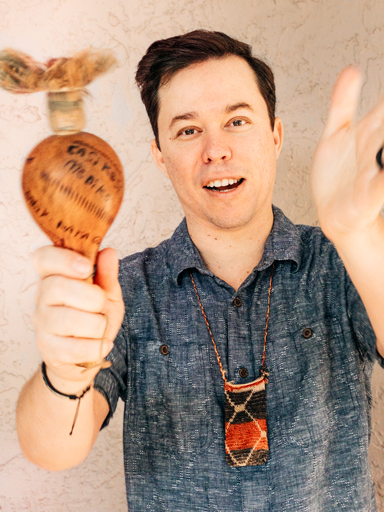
[(222, 183)]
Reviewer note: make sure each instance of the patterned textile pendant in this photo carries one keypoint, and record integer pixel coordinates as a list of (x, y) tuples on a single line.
[(246, 442)]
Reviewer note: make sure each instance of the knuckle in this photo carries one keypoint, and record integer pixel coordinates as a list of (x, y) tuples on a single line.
[(58, 290), (38, 293), (39, 260), (39, 317), (36, 260), (46, 346), (106, 347), (55, 282), (101, 325), (46, 290)]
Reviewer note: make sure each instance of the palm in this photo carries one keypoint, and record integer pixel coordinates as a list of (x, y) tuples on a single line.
[(347, 182)]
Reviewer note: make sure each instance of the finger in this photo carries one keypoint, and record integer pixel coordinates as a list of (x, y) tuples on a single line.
[(344, 101), (371, 128), (107, 278), (78, 294), (51, 260), (59, 351), (107, 274), (64, 321)]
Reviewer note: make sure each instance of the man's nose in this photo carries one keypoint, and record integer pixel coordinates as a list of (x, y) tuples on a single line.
[(216, 149)]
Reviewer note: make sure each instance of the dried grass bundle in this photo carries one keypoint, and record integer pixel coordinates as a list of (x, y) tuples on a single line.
[(19, 73)]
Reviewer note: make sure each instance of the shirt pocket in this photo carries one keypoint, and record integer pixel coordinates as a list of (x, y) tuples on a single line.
[(319, 390), (170, 404)]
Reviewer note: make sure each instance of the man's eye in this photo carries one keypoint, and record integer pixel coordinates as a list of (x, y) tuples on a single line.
[(187, 131), (238, 122)]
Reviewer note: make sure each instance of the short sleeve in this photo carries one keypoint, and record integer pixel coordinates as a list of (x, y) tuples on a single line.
[(112, 382)]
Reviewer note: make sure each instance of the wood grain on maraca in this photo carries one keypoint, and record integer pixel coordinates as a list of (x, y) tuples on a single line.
[(73, 181)]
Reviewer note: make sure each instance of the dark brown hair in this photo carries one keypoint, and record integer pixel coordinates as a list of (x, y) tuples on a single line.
[(167, 56)]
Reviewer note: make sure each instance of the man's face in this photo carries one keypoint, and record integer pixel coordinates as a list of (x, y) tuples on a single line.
[(217, 145)]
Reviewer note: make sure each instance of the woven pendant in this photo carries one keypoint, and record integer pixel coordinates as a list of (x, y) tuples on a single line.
[(246, 442)]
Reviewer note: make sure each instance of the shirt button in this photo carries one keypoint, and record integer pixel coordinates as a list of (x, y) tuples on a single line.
[(164, 350), (307, 332), (237, 302), (243, 372)]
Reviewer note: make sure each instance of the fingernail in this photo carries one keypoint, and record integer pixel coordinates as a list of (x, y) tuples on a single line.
[(82, 265)]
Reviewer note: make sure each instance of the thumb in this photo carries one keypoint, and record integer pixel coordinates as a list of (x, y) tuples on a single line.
[(107, 272), (107, 278)]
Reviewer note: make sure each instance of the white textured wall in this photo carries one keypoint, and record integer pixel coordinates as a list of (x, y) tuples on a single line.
[(307, 42)]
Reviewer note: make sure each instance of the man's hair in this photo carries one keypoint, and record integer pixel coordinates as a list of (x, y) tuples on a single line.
[(166, 57)]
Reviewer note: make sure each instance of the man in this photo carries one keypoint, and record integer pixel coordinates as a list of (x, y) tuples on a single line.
[(236, 294)]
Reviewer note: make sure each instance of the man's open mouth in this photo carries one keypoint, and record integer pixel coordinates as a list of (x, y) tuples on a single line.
[(224, 185)]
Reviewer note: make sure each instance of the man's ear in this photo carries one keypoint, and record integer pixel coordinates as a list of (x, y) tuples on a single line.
[(157, 156), (278, 135)]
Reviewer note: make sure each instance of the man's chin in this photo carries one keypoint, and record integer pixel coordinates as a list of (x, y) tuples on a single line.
[(229, 224)]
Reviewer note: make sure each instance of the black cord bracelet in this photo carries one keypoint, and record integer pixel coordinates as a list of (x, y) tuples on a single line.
[(59, 393)]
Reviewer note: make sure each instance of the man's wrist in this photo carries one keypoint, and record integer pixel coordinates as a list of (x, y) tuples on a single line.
[(50, 386), (68, 396), (63, 386), (359, 238)]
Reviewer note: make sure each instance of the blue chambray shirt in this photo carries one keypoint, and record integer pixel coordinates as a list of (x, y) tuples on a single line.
[(318, 395)]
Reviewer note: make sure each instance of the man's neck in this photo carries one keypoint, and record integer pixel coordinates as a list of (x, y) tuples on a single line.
[(232, 254)]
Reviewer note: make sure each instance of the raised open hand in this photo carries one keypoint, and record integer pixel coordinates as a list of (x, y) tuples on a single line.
[(347, 180)]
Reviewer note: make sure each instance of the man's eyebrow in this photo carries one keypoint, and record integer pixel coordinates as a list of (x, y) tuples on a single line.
[(183, 117), (193, 115), (237, 106)]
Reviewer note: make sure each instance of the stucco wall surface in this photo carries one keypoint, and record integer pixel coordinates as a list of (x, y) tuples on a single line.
[(307, 42)]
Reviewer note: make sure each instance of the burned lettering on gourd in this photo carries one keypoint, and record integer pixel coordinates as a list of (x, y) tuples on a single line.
[(91, 181), (94, 182), (45, 176), (91, 156), (72, 230), (33, 203), (78, 233), (76, 149), (107, 169), (75, 167)]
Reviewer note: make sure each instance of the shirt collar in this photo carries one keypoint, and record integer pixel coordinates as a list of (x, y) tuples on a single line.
[(283, 243)]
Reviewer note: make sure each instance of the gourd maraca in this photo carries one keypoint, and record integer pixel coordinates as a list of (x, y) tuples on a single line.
[(73, 181)]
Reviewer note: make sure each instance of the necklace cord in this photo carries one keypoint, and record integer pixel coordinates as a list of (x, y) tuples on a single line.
[(210, 332), (209, 329), (268, 308)]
